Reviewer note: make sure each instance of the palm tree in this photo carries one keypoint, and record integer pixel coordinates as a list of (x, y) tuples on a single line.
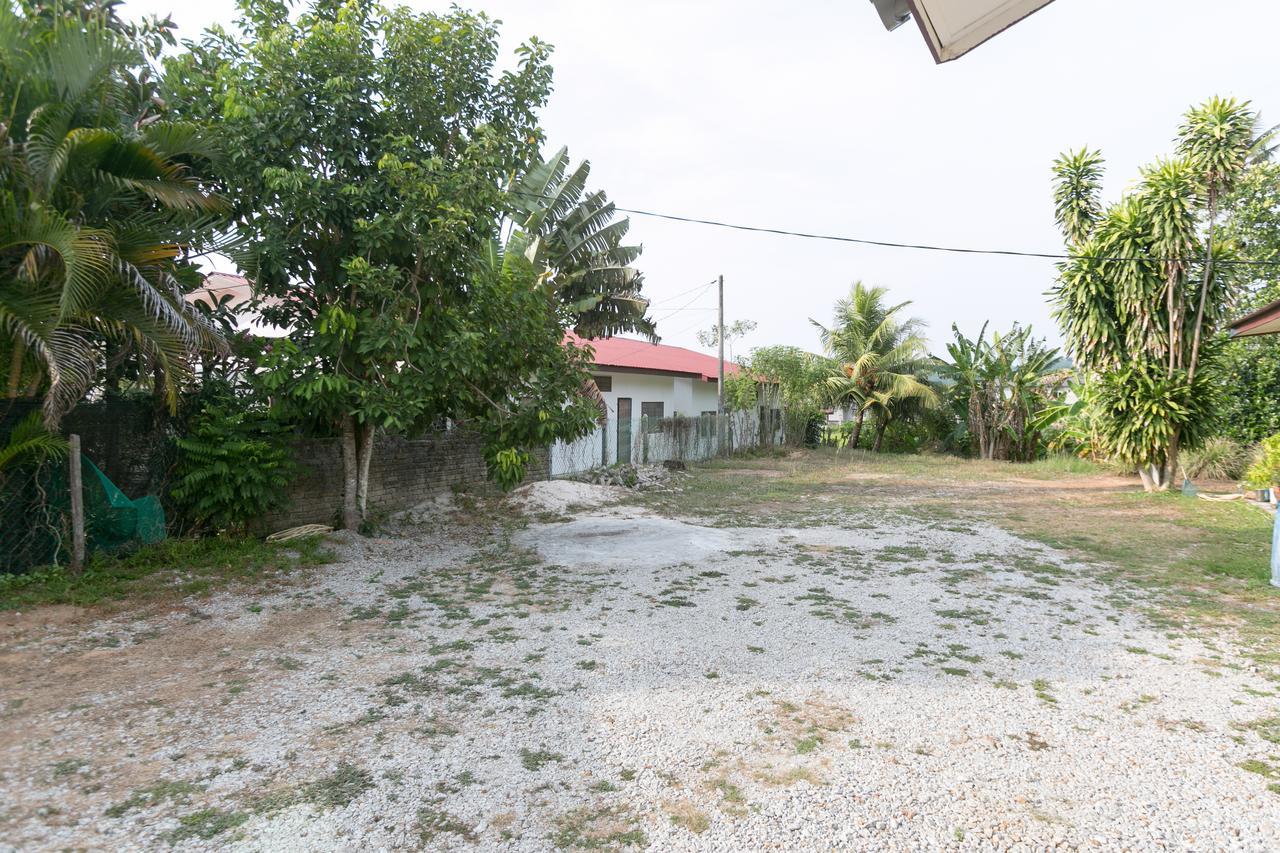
[(882, 360), (99, 211), (571, 237)]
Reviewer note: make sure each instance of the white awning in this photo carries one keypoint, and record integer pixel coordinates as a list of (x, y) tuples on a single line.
[(952, 28)]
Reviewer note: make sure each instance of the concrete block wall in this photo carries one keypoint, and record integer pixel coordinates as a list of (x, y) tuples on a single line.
[(403, 474)]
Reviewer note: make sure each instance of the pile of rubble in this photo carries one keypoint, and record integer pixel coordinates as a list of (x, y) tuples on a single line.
[(640, 478)]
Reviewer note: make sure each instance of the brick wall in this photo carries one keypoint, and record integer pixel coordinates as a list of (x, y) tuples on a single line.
[(403, 474)]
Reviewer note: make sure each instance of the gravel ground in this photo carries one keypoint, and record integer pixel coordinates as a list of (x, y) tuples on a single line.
[(622, 679)]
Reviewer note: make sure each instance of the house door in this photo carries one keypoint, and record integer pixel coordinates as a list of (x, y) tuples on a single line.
[(624, 429)]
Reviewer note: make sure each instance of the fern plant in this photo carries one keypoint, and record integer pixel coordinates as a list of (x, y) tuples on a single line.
[(233, 467), (30, 441)]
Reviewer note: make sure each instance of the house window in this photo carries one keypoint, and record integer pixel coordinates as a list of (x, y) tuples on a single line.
[(652, 413), (604, 383)]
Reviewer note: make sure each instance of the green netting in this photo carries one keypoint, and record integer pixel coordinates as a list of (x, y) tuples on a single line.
[(36, 511)]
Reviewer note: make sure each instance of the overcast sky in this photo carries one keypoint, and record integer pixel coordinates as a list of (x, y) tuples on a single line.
[(811, 117)]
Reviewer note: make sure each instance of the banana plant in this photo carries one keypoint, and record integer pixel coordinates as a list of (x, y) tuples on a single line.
[(573, 239)]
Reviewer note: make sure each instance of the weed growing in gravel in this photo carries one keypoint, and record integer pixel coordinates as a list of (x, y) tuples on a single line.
[(534, 760), (69, 766), (1267, 728), (205, 824), (434, 821), (154, 794), (806, 745), (340, 787), (597, 828), (1043, 691), (687, 815)]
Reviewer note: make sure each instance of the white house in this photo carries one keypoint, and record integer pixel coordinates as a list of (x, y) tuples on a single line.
[(642, 382)]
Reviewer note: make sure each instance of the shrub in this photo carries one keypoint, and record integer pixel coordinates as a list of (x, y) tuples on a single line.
[(1219, 458), (233, 467), (1264, 473)]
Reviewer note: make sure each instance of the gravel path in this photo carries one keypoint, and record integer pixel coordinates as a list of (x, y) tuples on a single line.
[(617, 678)]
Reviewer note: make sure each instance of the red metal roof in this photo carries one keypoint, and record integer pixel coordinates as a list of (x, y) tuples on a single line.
[(632, 354)]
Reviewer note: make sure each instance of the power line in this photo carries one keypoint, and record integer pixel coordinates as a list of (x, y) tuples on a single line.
[(683, 292), (889, 244)]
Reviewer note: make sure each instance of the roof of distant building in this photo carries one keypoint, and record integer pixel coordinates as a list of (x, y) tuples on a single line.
[(632, 354)]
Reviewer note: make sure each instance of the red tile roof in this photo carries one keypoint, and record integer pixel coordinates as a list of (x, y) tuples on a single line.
[(632, 354)]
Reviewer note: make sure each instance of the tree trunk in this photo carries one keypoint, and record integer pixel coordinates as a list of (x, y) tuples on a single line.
[(1171, 460), (1204, 283), (857, 428), (350, 474), (1148, 484), (880, 427), (364, 450)]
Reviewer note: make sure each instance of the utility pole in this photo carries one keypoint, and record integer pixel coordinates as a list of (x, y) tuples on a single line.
[(720, 384)]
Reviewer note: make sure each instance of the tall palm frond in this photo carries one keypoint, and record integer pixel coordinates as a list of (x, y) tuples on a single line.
[(574, 240)]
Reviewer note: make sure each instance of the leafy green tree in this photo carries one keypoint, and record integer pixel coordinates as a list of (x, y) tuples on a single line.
[(1146, 287), (801, 376), (102, 207), (1250, 367), (881, 360), (367, 151)]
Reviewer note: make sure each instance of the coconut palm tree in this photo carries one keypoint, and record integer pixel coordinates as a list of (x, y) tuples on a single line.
[(99, 211), (882, 360)]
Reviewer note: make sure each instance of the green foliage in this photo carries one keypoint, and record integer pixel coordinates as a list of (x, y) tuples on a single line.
[(1249, 382), (1264, 473), (801, 376), (1218, 458), (1250, 367), (1141, 408), (1004, 389), (570, 237), (507, 466), (367, 151), (880, 360), (233, 467), (1144, 292), (178, 567), (102, 203), (29, 442)]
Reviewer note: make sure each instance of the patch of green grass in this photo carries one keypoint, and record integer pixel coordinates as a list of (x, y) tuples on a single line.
[(206, 823), (535, 759), (340, 787), (174, 567), (433, 822), (1044, 691), (598, 828), (154, 794), (806, 745)]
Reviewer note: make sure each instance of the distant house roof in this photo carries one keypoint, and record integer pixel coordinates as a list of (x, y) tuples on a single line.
[(1264, 321), (219, 285), (632, 354)]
